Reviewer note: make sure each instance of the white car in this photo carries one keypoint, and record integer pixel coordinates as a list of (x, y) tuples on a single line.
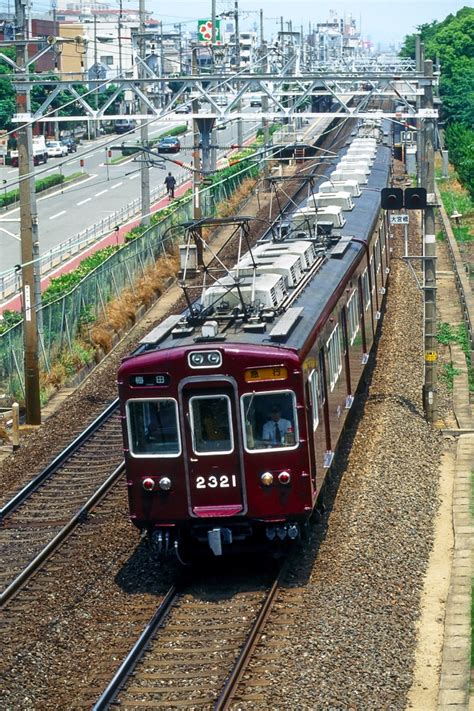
[(56, 149)]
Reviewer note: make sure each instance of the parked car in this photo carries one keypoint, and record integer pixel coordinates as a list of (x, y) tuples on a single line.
[(56, 149), (183, 109), (70, 144), (169, 144), (124, 125), (255, 101)]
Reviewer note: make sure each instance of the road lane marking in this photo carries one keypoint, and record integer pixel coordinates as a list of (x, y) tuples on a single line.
[(12, 171), (73, 186), (132, 177), (58, 214), (2, 229), (102, 192), (84, 201), (112, 187)]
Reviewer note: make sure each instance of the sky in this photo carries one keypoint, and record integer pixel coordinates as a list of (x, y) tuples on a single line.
[(383, 21)]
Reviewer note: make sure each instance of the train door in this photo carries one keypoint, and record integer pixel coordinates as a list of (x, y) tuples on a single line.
[(212, 439)]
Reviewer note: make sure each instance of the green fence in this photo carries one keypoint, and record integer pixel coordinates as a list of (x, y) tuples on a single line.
[(61, 320)]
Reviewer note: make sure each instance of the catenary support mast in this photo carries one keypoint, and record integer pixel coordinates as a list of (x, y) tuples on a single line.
[(28, 231)]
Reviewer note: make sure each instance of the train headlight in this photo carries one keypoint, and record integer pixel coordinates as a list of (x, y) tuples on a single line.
[(196, 359), (267, 479), (284, 477), (148, 483), (204, 359), (165, 483)]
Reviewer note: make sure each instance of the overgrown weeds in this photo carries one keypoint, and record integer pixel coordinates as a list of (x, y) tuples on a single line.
[(448, 334)]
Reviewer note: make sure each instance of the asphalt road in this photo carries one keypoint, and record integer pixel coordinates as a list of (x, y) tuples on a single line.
[(108, 188)]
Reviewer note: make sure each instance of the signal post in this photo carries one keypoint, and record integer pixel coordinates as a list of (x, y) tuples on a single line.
[(429, 255)]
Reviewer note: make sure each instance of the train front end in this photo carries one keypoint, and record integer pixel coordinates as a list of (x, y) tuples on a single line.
[(216, 446)]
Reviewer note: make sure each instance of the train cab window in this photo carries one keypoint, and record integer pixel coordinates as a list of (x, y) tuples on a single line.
[(153, 427), (334, 356), (366, 288), (313, 381), (269, 420), (210, 419), (353, 315)]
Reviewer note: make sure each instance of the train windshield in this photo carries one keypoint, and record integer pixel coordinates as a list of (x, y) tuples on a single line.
[(211, 424), (269, 420), (153, 427)]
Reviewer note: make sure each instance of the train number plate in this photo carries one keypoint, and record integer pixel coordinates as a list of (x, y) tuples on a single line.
[(216, 482)]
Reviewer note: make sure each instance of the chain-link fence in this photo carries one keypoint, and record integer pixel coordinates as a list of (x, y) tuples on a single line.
[(62, 319)]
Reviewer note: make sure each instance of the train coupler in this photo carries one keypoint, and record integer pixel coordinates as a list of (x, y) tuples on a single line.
[(216, 537)]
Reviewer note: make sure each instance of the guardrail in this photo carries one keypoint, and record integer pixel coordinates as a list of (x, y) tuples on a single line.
[(10, 282)]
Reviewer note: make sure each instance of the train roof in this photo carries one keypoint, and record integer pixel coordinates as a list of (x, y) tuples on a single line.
[(285, 323)]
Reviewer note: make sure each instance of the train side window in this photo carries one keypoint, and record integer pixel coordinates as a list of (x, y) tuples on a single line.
[(314, 395), (210, 419), (334, 350), (269, 420), (366, 288), (153, 427), (377, 255), (353, 311)]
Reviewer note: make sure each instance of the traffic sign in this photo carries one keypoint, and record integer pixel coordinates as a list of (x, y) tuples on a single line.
[(399, 219)]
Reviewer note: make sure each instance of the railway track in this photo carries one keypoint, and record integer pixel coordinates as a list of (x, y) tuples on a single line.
[(35, 522), (189, 654)]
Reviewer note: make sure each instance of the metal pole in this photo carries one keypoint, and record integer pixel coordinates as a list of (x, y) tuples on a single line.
[(28, 235), (197, 213), (237, 69), (144, 168), (120, 36), (429, 261), (213, 31), (265, 122)]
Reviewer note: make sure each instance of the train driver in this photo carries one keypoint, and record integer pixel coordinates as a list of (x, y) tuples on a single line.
[(275, 429)]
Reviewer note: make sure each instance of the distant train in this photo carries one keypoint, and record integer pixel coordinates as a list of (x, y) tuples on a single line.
[(233, 409)]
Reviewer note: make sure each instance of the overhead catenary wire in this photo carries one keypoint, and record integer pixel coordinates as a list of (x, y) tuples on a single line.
[(106, 82)]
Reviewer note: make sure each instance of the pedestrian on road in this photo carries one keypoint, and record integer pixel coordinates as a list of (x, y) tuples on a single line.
[(170, 182)]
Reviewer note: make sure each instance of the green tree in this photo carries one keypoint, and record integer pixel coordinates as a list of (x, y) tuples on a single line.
[(7, 93), (451, 42)]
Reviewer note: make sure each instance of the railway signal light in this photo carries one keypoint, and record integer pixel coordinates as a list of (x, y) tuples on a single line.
[(392, 198), (415, 198)]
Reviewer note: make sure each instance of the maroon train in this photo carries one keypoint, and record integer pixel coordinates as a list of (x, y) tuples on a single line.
[(232, 411)]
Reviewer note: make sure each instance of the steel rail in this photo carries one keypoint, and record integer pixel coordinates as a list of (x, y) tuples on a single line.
[(251, 642), (60, 537), (58, 461), (137, 651)]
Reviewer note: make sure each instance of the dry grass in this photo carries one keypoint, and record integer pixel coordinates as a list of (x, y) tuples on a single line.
[(122, 311), (101, 337), (231, 206), (4, 436), (55, 378)]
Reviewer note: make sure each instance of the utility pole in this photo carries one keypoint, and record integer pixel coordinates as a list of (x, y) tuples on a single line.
[(265, 123), (197, 212), (28, 233), (120, 36), (213, 148), (420, 153), (429, 254), (237, 69), (96, 75), (144, 167)]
